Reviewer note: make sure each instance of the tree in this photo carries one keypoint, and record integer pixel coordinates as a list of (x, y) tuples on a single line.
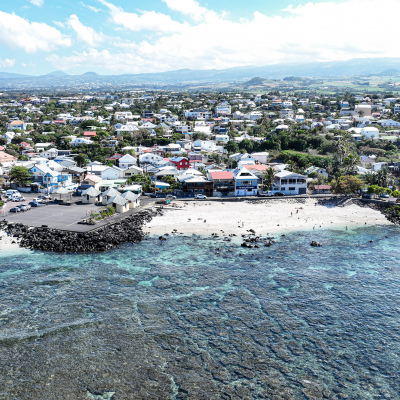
[(350, 163), (268, 177), (20, 175), (347, 184), (232, 147), (81, 160)]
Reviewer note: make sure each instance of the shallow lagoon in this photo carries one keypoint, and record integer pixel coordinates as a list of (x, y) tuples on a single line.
[(205, 319)]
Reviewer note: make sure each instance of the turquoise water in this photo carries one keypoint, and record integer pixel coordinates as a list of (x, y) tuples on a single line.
[(200, 318)]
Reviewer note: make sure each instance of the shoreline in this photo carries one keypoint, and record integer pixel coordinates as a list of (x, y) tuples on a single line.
[(201, 218), (204, 218)]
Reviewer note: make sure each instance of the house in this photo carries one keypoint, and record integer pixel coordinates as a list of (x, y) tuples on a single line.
[(108, 194), (91, 196), (291, 183), (120, 204), (91, 181), (197, 184), (89, 134), (388, 122), (77, 173), (287, 113), (6, 158), (132, 198), (127, 161), (363, 110), (129, 172), (224, 182), (322, 189), (80, 141), (317, 170), (111, 173), (65, 162), (245, 182), (51, 154), (150, 158), (16, 124), (261, 157), (370, 132), (204, 145), (180, 162)]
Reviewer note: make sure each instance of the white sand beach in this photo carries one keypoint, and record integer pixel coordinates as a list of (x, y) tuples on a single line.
[(7, 247), (267, 216)]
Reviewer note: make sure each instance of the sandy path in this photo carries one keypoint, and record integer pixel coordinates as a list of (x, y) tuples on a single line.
[(205, 217)]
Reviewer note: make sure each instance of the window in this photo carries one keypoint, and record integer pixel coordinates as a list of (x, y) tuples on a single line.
[(292, 188), (283, 181), (282, 188)]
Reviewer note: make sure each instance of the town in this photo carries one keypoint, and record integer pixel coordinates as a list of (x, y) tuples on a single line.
[(109, 149)]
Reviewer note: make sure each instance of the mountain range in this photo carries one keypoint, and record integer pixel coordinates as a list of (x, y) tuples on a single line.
[(366, 66)]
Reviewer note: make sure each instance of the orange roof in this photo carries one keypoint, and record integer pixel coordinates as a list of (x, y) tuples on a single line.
[(93, 178), (221, 175), (4, 157), (257, 167)]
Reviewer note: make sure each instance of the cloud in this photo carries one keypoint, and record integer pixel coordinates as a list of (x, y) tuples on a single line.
[(146, 20), (191, 8), (17, 32), (306, 33), (85, 33), (91, 8), (7, 63), (38, 3)]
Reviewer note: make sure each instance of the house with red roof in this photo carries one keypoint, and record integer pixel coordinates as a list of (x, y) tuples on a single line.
[(224, 182), (89, 134), (6, 158), (179, 162)]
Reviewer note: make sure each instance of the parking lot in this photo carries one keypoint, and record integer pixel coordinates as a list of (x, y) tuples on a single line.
[(63, 217)]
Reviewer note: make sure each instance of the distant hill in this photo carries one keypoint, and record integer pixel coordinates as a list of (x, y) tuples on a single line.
[(249, 75), (254, 82), (10, 75), (89, 74), (57, 74), (389, 72)]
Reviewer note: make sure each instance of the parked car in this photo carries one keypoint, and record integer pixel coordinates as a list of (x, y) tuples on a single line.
[(44, 197), (170, 196), (266, 194), (385, 195), (200, 196), (34, 204), (18, 198), (279, 194), (367, 196), (15, 209), (24, 207)]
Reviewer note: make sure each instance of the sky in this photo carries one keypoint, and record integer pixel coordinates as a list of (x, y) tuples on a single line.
[(131, 36)]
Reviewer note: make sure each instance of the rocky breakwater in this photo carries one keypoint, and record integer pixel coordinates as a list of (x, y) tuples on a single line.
[(129, 229)]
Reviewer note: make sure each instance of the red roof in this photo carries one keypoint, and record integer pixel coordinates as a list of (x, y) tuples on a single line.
[(257, 167), (221, 175), (59, 121), (322, 187), (89, 133)]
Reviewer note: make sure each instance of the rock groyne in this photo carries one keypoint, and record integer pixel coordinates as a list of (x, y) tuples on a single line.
[(129, 229)]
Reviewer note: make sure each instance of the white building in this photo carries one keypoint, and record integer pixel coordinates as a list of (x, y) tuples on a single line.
[(290, 183), (127, 161), (370, 132)]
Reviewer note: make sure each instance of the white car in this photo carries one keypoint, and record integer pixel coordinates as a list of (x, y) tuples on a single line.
[(200, 196), (266, 194), (18, 198)]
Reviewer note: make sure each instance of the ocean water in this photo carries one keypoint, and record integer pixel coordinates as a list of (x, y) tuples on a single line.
[(199, 318)]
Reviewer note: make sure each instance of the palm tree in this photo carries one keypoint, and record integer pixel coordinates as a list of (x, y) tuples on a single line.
[(350, 163), (370, 178), (383, 177), (268, 177)]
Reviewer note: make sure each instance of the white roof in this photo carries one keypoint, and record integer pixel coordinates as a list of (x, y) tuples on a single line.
[(91, 192)]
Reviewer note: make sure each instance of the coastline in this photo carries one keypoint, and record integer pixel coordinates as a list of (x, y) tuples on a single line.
[(264, 217)]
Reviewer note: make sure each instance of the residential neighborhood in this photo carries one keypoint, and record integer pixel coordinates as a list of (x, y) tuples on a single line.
[(214, 144)]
